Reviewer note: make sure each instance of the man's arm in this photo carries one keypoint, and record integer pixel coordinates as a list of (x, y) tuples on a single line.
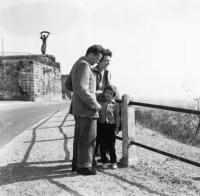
[(68, 83), (82, 86)]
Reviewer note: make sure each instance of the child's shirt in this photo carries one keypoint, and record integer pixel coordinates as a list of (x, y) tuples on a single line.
[(109, 113)]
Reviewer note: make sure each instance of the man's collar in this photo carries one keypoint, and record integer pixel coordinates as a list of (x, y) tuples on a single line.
[(96, 69), (84, 58)]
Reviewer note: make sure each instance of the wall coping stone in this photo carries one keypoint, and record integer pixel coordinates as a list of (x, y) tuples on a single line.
[(45, 59)]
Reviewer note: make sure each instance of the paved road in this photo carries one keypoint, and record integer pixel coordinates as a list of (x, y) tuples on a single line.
[(17, 116)]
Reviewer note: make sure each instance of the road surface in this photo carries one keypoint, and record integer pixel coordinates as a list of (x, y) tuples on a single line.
[(16, 116)]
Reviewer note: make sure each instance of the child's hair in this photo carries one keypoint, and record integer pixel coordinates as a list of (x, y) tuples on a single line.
[(110, 88)]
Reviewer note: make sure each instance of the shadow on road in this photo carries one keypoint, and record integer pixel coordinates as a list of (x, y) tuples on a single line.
[(27, 171), (140, 186), (19, 172), (65, 137), (34, 138), (56, 127), (196, 178), (67, 152), (49, 140)]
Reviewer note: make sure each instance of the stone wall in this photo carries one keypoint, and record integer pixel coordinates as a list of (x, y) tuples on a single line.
[(30, 77), (66, 94)]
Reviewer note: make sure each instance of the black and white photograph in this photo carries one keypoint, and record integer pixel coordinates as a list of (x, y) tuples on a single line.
[(99, 98)]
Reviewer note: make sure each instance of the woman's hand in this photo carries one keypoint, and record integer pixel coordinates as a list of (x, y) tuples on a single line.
[(116, 130)]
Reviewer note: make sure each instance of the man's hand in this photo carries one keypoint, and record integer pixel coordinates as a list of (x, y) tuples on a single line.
[(99, 107)]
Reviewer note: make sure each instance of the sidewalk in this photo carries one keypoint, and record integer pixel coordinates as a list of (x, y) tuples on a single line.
[(38, 163)]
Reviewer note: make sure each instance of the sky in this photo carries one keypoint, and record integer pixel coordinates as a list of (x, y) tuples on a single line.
[(155, 43)]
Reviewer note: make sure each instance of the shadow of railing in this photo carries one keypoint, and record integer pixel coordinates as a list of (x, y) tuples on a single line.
[(71, 125), (196, 178), (19, 172), (64, 187), (52, 140), (136, 184), (34, 138), (65, 137), (27, 171)]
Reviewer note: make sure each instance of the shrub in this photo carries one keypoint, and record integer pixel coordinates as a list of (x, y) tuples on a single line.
[(179, 126)]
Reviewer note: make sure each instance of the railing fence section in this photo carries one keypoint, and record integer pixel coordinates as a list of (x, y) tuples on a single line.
[(128, 131)]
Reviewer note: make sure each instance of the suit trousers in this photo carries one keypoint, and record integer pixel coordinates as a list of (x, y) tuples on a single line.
[(84, 142)]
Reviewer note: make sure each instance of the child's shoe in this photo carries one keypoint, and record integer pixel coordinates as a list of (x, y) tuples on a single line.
[(105, 166), (114, 166)]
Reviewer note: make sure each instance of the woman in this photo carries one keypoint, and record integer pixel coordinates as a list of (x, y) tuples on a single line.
[(102, 74), (103, 79)]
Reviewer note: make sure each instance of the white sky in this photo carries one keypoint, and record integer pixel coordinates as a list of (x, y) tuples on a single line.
[(155, 43)]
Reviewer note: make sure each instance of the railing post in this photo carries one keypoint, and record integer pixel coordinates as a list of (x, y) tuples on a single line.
[(129, 156)]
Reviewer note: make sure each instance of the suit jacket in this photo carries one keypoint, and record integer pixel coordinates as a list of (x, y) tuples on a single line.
[(83, 84)]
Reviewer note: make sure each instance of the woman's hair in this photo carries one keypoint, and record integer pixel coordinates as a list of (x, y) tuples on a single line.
[(95, 49), (111, 88), (106, 52)]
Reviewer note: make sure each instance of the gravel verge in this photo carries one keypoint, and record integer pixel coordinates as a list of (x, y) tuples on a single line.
[(38, 162)]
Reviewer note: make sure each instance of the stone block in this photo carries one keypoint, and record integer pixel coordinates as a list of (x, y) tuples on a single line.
[(29, 74)]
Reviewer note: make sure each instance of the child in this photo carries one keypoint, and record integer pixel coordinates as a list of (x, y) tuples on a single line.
[(108, 126)]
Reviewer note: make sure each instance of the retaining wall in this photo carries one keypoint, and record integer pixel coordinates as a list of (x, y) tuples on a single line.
[(30, 78)]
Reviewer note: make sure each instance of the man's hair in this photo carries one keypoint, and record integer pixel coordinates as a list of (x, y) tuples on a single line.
[(111, 88), (106, 52), (95, 49)]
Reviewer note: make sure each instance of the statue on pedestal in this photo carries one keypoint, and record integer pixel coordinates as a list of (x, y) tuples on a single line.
[(43, 36)]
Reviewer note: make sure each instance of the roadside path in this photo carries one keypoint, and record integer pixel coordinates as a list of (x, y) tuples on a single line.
[(16, 116), (38, 163)]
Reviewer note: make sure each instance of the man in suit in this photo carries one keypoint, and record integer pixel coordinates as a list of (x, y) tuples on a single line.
[(85, 110)]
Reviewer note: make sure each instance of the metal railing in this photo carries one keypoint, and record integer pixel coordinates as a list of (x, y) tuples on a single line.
[(128, 141), (162, 107)]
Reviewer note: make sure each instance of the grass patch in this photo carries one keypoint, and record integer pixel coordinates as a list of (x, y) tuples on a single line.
[(179, 126)]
